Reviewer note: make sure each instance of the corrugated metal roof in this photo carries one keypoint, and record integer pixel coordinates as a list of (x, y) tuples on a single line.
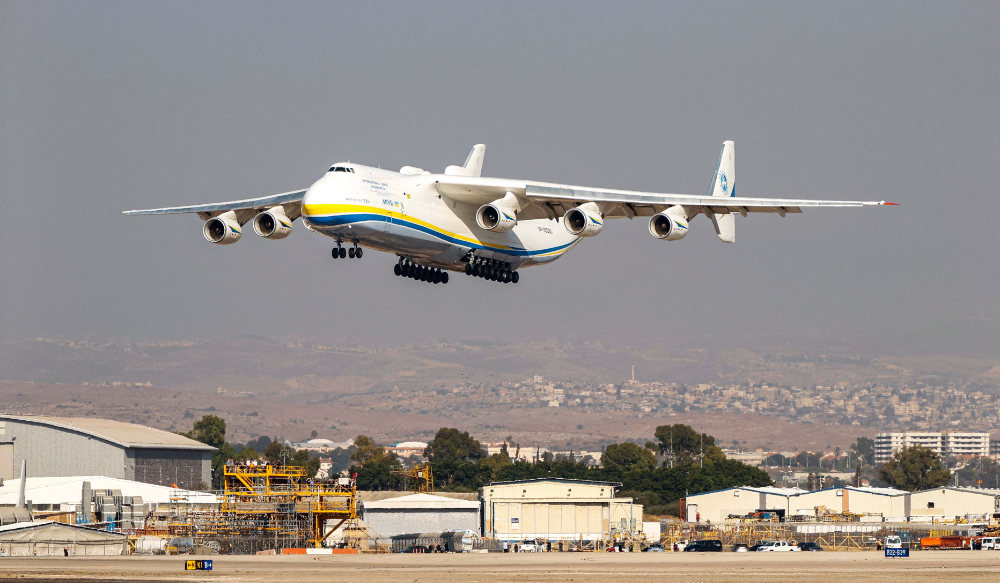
[(774, 490), (125, 434), (421, 501), (557, 480), (69, 489)]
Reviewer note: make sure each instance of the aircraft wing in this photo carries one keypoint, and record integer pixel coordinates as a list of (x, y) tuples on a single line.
[(628, 203), (245, 209), (547, 200)]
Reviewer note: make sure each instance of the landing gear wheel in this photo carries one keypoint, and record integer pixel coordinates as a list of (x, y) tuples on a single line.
[(397, 270), (335, 253), (343, 252), (350, 253), (468, 269), (514, 277), (359, 252), (444, 277)]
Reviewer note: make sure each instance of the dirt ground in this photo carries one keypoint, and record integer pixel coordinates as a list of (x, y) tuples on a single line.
[(829, 567)]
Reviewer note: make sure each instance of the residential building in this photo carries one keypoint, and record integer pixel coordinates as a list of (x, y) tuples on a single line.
[(944, 443)]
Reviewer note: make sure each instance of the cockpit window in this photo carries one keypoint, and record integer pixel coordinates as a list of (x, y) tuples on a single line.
[(341, 169)]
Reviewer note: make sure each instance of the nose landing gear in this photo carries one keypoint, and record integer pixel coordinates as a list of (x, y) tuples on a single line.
[(339, 252)]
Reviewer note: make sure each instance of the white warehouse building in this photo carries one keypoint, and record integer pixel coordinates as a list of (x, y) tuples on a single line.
[(555, 509), (872, 504)]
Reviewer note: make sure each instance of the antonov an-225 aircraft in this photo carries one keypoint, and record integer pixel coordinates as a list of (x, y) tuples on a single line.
[(461, 221)]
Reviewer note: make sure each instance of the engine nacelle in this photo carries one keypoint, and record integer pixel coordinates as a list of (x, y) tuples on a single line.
[(494, 217), (670, 225), (584, 220), (223, 229), (273, 224)]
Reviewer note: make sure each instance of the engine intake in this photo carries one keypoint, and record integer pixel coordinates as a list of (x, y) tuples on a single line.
[(494, 217), (584, 220), (223, 229), (670, 225), (273, 224)]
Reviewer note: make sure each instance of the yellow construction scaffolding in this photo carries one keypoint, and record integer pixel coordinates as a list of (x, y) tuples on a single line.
[(282, 501), (419, 478)]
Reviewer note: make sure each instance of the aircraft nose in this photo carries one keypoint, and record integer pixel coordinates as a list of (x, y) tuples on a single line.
[(315, 195)]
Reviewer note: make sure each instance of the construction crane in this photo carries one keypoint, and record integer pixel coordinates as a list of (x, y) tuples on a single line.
[(422, 478)]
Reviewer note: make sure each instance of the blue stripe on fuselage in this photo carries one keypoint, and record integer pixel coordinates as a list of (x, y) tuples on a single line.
[(346, 219)]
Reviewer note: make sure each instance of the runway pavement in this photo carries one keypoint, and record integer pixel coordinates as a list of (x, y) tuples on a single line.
[(827, 567)]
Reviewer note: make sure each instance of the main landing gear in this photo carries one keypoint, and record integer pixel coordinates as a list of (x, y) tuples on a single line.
[(406, 268), (339, 252), (491, 269)]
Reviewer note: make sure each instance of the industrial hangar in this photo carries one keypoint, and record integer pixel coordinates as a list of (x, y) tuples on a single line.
[(75, 446), (53, 539), (868, 504), (420, 513), (556, 509)]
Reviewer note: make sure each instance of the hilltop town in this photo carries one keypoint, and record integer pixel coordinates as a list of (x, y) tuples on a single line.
[(558, 395)]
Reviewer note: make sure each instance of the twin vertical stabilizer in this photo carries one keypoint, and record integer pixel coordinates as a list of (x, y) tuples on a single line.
[(473, 164), (724, 184)]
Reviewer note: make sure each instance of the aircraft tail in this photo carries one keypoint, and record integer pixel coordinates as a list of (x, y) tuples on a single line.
[(473, 164), (724, 184)]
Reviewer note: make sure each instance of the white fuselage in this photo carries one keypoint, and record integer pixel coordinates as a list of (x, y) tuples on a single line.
[(404, 214)]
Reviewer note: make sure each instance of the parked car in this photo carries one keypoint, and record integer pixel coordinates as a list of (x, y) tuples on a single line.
[(807, 546), (528, 546), (778, 546), (740, 548), (704, 546), (653, 548)]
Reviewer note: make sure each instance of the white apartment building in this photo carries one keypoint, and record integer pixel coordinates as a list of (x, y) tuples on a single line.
[(943, 443)]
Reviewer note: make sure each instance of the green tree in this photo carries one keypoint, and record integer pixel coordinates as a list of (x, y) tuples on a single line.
[(682, 443), (864, 448), (776, 459), (374, 465), (914, 468), (276, 454), (366, 450), (496, 464), (451, 445), (453, 455), (622, 459), (211, 430)]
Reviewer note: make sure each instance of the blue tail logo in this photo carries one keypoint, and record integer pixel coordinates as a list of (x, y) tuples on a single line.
[(724, 182)]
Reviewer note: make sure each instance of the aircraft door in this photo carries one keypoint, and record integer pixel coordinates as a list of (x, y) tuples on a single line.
[(392, 207)]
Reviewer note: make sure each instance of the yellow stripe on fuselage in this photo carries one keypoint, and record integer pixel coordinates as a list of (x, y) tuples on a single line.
[(320, 210)]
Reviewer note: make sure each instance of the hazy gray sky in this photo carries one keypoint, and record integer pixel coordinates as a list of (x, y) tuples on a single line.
[(107, 106)]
